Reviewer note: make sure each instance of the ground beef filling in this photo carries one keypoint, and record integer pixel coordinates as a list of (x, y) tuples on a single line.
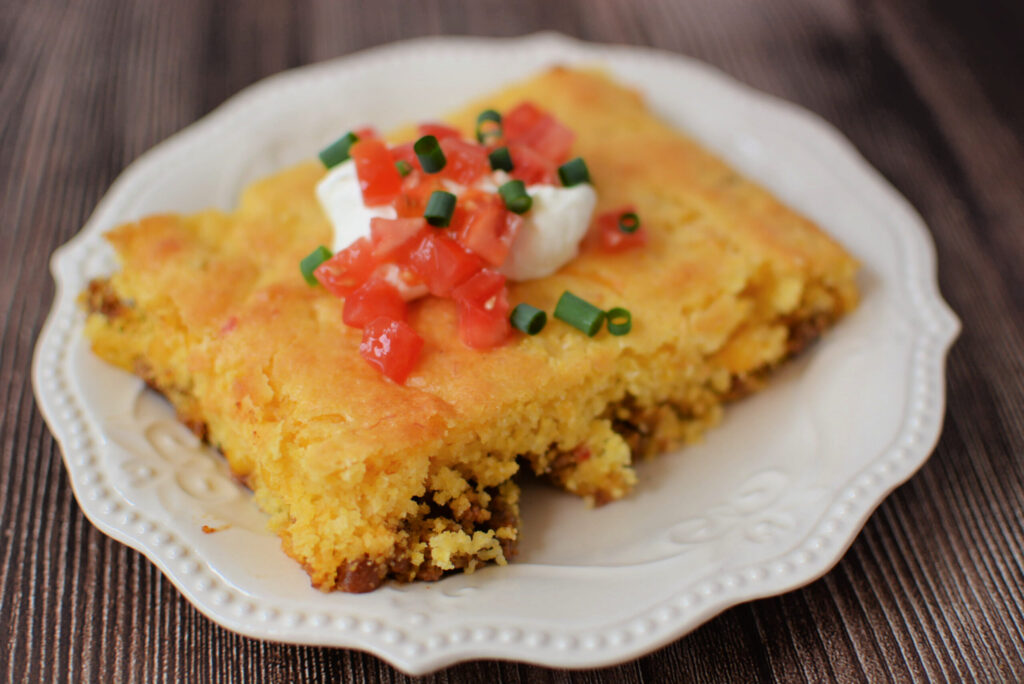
[(637, 424), (100, 298), (366, 575)]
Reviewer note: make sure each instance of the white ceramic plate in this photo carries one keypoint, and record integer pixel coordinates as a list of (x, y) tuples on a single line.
[(768, 502)]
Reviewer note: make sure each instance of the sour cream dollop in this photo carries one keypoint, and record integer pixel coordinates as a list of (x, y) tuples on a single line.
[(548, 239)]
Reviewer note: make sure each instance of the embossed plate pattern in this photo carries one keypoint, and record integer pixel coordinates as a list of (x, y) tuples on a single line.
[(767, 503)]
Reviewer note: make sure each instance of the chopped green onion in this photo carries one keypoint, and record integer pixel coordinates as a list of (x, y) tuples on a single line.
[(574, 172), (310, 263), (528, 319), (488, 126), (439, 209), (579, 313), (337, 151), (488, 132), (620, 321), (404, 168), (488, 115), (629, 222), (516, 199), (500, 159), (430, 154)]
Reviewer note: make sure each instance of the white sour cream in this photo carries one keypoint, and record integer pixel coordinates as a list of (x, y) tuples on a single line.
[(548, 239), (551, 232), (342, 200)]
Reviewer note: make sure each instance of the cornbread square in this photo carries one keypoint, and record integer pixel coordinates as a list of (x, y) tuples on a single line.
[(365, 479)]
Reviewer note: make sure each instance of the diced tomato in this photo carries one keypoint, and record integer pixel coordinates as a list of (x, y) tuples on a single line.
[(371, 300), (521, 119), (378, 177), (393, 238), (404, 152), (443, 263), (465, 161), (606, 235), (416, 191), (527, 124), (480, 288), (483, 310), (391, 346), (490, 229), (348, 269), (367, 133), (469, 202), (552, 139), (531, 167), (439, 130), (483, 329), (403, 279)]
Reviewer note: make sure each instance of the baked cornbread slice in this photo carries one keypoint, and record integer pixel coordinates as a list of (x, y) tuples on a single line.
[(366, 479)]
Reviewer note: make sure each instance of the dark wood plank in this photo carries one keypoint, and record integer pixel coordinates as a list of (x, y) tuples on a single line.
[(933, 589)]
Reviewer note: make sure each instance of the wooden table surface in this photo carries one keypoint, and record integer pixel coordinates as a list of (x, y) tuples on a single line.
[(930, 92)]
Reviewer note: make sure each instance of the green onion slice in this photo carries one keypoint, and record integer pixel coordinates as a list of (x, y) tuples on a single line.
[(488, 115), (574, 172), (310, 263), (429, 152), (488, 132), (629, 222), (488, 126), (620, 321), (337, 151), (500, 159), (439, 209), (515, 196), (528, 319), (579, 313), (404, 168)]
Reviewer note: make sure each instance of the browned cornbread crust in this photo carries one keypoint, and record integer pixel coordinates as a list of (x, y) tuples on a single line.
[(365, 479)]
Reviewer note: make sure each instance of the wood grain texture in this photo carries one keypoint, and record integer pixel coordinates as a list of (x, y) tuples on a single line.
[(933, 589)]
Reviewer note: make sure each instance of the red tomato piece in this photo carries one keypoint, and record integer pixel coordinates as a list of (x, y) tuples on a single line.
[(480, 288), (483, 329), (416, 191), (490, 230), (378, 177), (391, 346), (465, 161), (460, 217), (531, 167), (439, 130), (529, 125), (483, 310), (552, 139), (371, 300), (520, 119), (367, 133), (404, 152), (469, 202), (390, 236), (443, 264), (348, 269), (605, 232), (402, 278)]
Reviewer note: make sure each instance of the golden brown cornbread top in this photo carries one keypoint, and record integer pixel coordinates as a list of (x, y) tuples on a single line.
[(284, 364)]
